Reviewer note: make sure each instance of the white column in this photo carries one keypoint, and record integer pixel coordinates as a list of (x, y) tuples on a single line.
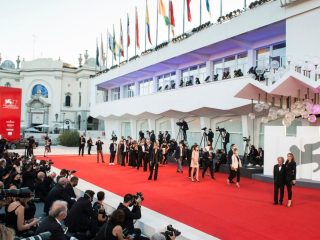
[(209, 67), (109, 95), (245, 128), (251, 58), (133, 126), (121, 92), (174, 128), (136, 89), (151, 124), (204, 122), (178, 78), (155, 85)]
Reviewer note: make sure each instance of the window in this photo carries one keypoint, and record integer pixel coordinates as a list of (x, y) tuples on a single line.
[(129, 90), (279, 53), (115, 94), (79, 99), (263, 57), (68, 101), (166, 81), (146, 87), (217, 70), (242, 62), (275, 52), (194, 74)]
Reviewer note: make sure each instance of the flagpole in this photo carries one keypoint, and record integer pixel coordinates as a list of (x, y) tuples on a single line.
[(107, 49), (95, 65), (112, 46), (245, 4), (145, 29), (169, 23), (220, 8), (200, 12), (127, 37), (135, 33), (184, 13), (157, 23)]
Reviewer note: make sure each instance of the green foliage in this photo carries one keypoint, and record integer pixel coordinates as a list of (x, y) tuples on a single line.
[(69, 138)]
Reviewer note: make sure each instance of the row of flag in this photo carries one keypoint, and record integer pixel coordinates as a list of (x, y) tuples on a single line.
[(117, 47)]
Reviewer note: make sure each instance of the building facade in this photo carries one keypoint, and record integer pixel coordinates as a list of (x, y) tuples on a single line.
[(197, 78), (55, 95)]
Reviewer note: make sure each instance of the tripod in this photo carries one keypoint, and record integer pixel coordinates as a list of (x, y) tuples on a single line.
[(180, 135), (246, 152), (215, 145), (204, 140)]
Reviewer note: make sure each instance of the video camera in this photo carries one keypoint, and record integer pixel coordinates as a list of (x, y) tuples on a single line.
[(41, 236), (170, 231), (218, 129), (180, 124), (204, 129), (246, 139), (135, 197), (20, 193)]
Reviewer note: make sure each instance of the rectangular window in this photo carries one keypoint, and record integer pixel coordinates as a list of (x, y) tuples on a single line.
[(279, 53), (115, 94), (229, 65), (79, 99), (146, 87), (217, 70), (242, 62), (129, 90), (263, 57), (164, 82)]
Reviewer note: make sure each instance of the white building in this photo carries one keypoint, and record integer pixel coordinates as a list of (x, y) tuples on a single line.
[(140, 96), (54, 93)]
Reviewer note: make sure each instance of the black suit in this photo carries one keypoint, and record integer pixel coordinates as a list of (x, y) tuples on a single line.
[(81, 217), (290, 176), (167, 137), (134, 214), (210, 136), (279, 181), (82, 143), (58, 192), (155, 158), (113, 150), (152, 137), (50, 224)]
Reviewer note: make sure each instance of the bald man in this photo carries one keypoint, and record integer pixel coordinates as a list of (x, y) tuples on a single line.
[(58, 192), (52, 223)]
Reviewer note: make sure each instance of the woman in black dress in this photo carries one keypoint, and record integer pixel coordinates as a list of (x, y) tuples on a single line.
[(290, 167)]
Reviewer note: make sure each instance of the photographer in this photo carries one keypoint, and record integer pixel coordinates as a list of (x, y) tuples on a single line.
[(210, 135), (99, 209), (169, 234), (15, 216), (131, 215), (81, 218), (41, 190), (160, 236), (52, 223)]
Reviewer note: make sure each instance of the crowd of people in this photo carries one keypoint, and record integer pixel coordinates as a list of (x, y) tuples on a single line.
[(27, 183)]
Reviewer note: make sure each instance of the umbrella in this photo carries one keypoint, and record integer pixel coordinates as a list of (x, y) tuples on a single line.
[(31, 130)]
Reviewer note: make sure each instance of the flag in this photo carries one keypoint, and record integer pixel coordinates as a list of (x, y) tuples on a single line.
[(121, 40), (189, 11), (109, 40), (148, 23), (162, 11), (128, 31), (114, 45), (102, 52), (97, 55), (208, 6), (171, 14), (137, 29)]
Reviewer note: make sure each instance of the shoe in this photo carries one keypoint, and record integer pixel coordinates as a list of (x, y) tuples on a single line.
[(289, 203), (249, 165), (149, 178), (103, 161), (198, 180), (280, 203), (213, 178), (275, 203), (228, 181), (238, 185)]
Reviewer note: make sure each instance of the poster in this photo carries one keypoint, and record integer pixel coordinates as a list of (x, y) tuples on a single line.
[(10, 113)]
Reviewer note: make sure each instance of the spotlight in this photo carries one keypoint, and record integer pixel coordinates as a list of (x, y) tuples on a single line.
[(207, 79), (159, 89), (181, 83), (197, 81), (173, 85), (215, 77), (166, 87)]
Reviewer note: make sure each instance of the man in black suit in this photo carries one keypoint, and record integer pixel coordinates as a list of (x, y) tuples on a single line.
[(152, 137), (279, 180), (148, 150), (52, 223), (167, 136), (160, 138), (180, 155), (99, 144), (58, 192), (225, 139), (131, 215), (70, 185), (155, 158), (82, 143), (81, 217), (113, 150), (210, 136)]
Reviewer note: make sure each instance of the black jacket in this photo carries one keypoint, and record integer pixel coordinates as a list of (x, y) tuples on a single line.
[(49, 224), (135, 213), (279, 177), (82, 141), (70, 191), (155, 158), (57, 193), (41, 190), (177, 154), (80, 216), (290, 170), (113, 147)]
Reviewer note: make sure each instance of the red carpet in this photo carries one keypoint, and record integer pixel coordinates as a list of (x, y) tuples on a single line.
[(211, 206)]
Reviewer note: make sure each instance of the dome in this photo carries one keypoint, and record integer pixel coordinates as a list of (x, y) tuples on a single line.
[(7, 64), (91, 62)]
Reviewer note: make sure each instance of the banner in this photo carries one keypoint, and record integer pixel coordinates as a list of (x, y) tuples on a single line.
[(10, 117)]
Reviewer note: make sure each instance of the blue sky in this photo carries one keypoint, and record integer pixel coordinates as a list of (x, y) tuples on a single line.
[(66, 28)]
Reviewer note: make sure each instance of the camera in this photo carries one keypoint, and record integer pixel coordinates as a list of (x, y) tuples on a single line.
[(170, 231), (204, 129), (180, 124), (135, 197), (41, 236), (20, 193), (218, 129), (246, 139)]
